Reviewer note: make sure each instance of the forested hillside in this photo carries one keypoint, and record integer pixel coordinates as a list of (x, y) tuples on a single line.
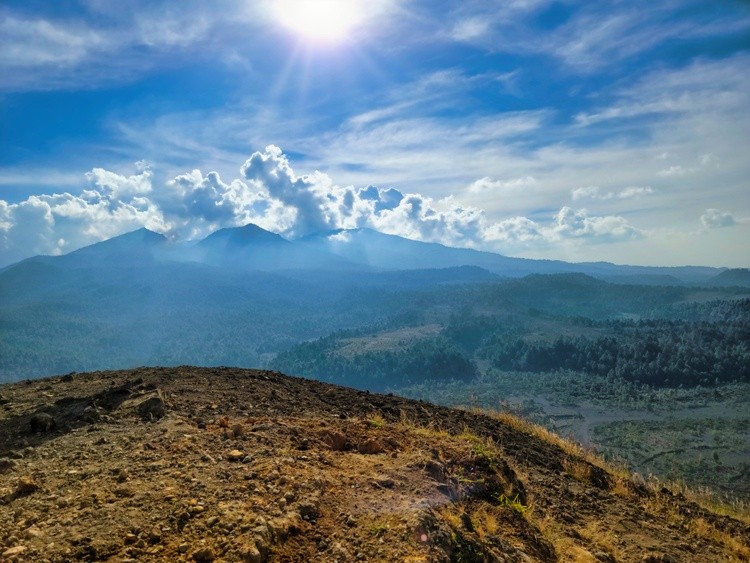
[(698, 344)]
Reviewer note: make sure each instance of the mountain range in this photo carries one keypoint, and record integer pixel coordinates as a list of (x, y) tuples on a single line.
[(242, 295), (353, 252)]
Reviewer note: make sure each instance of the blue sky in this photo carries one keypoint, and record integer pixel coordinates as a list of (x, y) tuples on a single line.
[(581, 131)]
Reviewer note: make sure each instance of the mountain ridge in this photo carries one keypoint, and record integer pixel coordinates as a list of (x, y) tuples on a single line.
[(363, 249)]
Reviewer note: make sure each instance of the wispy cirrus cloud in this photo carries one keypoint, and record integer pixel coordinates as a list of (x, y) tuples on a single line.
[(593, 192), (590, 35)]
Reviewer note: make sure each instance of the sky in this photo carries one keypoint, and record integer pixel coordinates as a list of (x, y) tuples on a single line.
[(572, 130)]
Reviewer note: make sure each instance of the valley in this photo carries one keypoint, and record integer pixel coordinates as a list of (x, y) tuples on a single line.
[(654, 377)]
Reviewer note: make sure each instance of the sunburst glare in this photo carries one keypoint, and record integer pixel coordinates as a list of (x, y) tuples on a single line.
[(319, 20)]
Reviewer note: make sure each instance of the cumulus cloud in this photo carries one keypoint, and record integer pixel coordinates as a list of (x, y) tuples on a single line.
[(59, 223), (716, 219), (271, 195)]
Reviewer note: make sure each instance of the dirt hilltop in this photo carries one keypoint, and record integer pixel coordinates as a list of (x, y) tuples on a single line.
[(221, 464)]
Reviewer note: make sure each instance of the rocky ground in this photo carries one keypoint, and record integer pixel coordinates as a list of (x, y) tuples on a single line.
[(215, 464)]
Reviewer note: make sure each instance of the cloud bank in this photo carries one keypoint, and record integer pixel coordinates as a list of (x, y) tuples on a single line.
[(272, 195)]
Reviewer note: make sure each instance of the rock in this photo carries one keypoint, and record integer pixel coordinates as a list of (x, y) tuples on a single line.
[(152, 408), (26, 486), (309, 509), (384, 482), (41, 423), (658, 558), (154, 536), (235, 455), (182, 548), (18, 550), (336, 441), (6, 464), (130, 539), (32, 532), (371, 446), (251, 554), (204, 554), (212, 521), (604, 557), (90, 415)]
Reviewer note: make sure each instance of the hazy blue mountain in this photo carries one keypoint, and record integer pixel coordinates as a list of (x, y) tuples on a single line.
[(735, 277), (376, 249), (252, 248), (241, 295), (352, 254)]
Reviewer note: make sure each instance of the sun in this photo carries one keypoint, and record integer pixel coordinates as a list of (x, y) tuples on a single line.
[(319, 20)]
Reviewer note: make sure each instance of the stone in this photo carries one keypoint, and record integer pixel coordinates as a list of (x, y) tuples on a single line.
[(308, 510), (13, 551), (6, 464), (154, 536), (204, 554), (152, 408), (371, 446), (336, 441), (658, 558), (41, 423), (235, 455), (251, 554), (90, 415), (26, 486)]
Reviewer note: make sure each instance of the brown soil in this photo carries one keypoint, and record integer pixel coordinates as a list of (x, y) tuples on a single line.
[(219, 464)]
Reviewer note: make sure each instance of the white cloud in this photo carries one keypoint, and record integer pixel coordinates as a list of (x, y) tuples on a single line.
[(674, 171), (59, 223), (273, 196), (120, 187), (39, 42), (593, 34), (716, 219), (635, 192), (470, 29), (487, 184), (593, 192)]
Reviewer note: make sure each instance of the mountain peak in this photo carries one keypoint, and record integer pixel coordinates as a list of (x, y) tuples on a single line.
[(134, 242), (246, 234)]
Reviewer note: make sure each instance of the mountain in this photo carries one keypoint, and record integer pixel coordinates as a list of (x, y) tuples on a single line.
[(380, 250), (209, 464), (353, 253), (739, 277), (243, 295), (136, 246), (252, 248)]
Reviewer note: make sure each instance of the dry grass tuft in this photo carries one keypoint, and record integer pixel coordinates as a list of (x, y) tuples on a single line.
[(579, 470), (566, 547), (602, 537), (706, 530)]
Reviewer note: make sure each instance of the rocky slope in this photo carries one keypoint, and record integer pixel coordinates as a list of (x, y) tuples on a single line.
[(219, 464)]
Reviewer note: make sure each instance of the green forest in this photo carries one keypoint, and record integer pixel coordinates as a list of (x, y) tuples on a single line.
[(706, 344)]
